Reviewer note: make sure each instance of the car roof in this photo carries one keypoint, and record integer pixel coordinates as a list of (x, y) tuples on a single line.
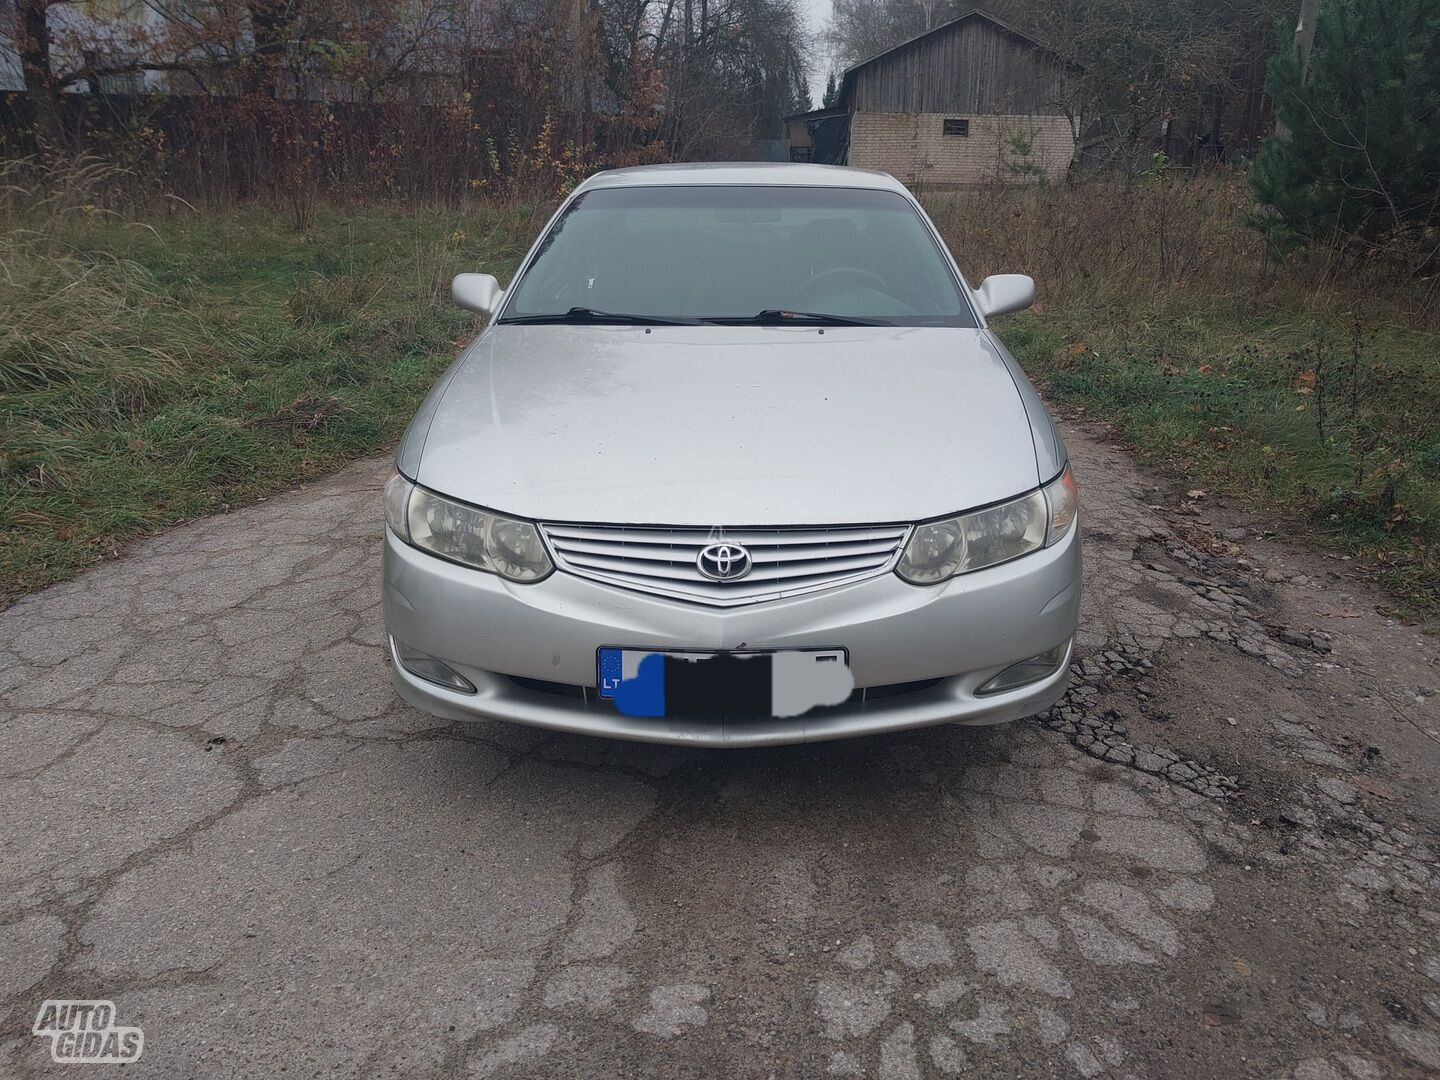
[(752, 173)]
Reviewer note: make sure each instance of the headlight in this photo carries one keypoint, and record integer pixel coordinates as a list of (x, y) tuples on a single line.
[(463, 534), (939, 550)]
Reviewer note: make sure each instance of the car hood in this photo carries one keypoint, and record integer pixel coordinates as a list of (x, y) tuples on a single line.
[(729, 425)]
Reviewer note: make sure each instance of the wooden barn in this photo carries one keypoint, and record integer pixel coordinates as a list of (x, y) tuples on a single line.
[(970, 101)]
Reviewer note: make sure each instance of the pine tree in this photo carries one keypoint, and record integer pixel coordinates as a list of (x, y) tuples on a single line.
[(1357, 154), (832, 92)]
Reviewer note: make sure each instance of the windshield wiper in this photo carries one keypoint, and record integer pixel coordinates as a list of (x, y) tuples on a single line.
[(590, 315), (779, 316)]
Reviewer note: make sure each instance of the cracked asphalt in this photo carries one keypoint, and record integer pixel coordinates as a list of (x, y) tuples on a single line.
[(1217, 857)]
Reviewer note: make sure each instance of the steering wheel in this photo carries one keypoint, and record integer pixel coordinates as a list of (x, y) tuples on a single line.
[(838, 273)]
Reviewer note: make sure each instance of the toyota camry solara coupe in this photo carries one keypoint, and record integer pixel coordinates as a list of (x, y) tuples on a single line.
[(737, 462)]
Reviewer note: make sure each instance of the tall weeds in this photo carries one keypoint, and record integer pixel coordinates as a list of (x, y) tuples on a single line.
[(154, 369), (80, 333), (1309, 383), (1116, 239)]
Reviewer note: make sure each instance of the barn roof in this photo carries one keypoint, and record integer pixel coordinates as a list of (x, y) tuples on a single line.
[(848, 79)]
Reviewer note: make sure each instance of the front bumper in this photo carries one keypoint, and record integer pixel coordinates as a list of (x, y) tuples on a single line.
[(960, 634)]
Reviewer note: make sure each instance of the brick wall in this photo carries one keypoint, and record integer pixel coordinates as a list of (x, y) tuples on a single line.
[(915, 148)]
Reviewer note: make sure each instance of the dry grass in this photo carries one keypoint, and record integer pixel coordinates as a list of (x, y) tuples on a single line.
[(161, 366), (1309, 384), (1155, 239), (153, 370)]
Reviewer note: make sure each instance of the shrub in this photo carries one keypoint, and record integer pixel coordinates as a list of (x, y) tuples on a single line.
[(1358, 154)]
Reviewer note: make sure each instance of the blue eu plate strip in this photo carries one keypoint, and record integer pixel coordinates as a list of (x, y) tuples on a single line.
[(611, 661), (642, 695)]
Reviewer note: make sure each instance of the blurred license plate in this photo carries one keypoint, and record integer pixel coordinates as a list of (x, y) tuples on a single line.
[(785, 682)]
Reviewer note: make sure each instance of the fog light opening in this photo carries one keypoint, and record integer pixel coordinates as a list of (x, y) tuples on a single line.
[(1031, 670), (424, 666)]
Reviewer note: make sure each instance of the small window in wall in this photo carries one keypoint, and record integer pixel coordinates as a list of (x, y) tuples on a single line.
[(957, 127)]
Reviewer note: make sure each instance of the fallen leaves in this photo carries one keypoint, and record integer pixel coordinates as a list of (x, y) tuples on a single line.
[(1378, 788), (1221, 1014)]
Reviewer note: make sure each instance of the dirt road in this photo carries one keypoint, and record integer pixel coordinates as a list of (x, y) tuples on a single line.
[(1219, 857)]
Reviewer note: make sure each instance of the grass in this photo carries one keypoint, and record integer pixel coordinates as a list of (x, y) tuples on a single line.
[(1332, 425), (152, 371), (1306, 384), (156, 368)]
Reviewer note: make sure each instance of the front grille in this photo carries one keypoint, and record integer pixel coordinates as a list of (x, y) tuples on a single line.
[(784, 561)]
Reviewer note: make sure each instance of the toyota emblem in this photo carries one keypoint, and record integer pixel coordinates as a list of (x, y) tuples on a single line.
[(723, 562)]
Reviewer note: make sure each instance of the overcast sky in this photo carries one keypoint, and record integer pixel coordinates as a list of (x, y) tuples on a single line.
[(817, 14)]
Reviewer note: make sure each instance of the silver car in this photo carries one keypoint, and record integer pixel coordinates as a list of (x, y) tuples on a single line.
[(737, 462)]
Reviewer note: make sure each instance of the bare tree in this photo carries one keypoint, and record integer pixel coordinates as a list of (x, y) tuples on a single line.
[(733, 69), (859, 29), (302, 96), (1143, 62)]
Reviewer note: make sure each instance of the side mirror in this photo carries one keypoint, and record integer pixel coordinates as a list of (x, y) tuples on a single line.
[(1000, 294), (477, 292)]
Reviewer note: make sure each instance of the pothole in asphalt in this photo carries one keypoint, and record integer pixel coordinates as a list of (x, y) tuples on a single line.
[(1308, 795), (1102, 732)]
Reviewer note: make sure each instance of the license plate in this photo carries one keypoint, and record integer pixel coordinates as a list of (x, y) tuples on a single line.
[(782, 682)]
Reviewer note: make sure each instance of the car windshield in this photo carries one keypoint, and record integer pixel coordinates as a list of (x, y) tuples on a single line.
[(740, 253)]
